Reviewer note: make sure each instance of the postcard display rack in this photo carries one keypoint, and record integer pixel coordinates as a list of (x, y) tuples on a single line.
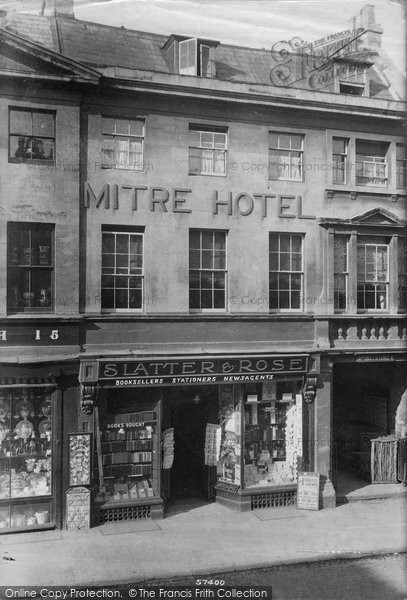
[(26, 455), (261, 443), (128, 463)]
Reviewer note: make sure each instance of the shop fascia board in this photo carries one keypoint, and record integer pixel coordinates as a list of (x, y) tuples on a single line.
[(175, 85)]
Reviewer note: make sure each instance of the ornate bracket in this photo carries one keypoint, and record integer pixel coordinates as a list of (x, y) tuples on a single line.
[(310, 388), (88, 398)]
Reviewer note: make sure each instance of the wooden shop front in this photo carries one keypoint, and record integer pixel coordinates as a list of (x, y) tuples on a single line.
[(226, 428)]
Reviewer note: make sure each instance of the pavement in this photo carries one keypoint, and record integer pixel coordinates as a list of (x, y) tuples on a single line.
[(199, 538)]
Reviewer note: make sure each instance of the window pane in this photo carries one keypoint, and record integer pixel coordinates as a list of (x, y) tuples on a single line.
[(121, 298), (219, 260), (122, 127), (296, 262), (107, 298), (219, 299), (274, 242), (43, 124), (20, 147), (194, 298), (195, 161), (284, 243), (219, 281), (136, 244), (136, 127), (296, 243), (220, 240), (207, 239), (194, 259), (194, 279), (206, 299), (296, 142), (20, 122), (284, 141), (42, 149), (273, 261), (135, 298), (194, 137), (339, 145), (136, 264), (108, 125), (368, 148), (122, 243), (295, 300), (284, 262)]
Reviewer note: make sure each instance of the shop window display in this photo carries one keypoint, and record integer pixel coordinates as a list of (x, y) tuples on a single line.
[(129, 452), (273, 434), (26, 434), (230, 417)]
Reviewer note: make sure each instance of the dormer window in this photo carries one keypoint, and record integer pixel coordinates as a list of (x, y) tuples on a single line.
[(194, 58), (191, 56), (351, 79)]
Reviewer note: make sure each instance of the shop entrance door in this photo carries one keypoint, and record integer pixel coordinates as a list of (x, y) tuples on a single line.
[(188, 470), (189, 476)]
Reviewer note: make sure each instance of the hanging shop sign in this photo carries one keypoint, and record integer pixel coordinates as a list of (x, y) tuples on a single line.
[(308, 490), (190, 371)]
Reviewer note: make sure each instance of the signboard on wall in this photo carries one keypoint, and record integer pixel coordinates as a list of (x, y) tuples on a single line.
[(78, 508), (187, 371), (308, 491)]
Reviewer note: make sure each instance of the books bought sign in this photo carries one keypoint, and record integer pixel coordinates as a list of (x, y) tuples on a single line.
[(189, 371)]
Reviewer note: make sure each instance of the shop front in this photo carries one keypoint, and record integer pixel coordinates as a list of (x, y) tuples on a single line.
[(30, 429), (39, 403), (367, 395), (225, 428)]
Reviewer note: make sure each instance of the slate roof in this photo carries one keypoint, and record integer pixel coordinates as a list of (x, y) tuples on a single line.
[(101, 46)]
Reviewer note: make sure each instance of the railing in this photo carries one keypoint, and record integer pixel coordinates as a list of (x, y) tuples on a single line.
[(368, 331)]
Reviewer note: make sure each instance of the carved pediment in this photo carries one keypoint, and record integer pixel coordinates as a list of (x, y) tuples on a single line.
[(21, 57), (376, 216)]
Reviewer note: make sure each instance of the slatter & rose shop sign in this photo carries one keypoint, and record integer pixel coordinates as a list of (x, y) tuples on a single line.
[(188, 371)]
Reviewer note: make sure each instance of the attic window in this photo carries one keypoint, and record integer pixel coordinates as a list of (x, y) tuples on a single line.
[(195, 58), (352, 79)]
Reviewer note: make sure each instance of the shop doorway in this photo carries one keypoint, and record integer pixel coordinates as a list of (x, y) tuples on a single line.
[(188, 412), (364, 406)]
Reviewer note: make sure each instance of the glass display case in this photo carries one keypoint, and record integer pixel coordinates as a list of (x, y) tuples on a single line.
[(26, 453)]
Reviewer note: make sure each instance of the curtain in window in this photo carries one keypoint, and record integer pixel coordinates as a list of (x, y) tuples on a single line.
[(207, 161)]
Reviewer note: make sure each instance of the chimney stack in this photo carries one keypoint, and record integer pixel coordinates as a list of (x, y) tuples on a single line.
[(372, 38)]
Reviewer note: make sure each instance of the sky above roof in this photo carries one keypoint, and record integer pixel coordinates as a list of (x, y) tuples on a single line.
[(256, 23)]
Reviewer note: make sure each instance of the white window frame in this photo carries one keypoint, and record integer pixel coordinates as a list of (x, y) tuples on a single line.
[(344, 274), (30, 137), (115, 232), (208, 147), (279, 271), (115, 138), (280, 149), (401, 167), (189, 69), (376, 283), (345, 163), (374, 162), (206, 270)]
